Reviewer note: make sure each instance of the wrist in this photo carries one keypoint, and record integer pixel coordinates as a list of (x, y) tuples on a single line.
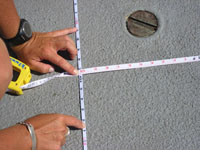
[(17, 49), (15, 137), (24, 34), (31, 130), (26, 136)]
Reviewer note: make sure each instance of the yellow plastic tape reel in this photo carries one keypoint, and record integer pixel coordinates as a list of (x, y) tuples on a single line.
[(23, 78)]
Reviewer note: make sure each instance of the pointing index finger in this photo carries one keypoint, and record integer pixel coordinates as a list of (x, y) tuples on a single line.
[(73, 121), (63, 32)]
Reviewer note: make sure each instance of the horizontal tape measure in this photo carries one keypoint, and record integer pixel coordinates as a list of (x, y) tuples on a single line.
[(106, 69), (118, 67)]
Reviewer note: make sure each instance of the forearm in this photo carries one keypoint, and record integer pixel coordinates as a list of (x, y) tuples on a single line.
[(9, 19), (15, 138), (6, 70)]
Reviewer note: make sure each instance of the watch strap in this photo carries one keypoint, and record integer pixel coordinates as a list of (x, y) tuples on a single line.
[(18, 39)]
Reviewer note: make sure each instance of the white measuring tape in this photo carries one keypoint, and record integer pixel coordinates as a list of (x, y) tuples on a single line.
[(100, 69), (103, 69), (81, 93)]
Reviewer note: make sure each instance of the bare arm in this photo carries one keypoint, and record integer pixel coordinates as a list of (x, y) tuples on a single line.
[(5, 69), (15, 137), (9, 19)]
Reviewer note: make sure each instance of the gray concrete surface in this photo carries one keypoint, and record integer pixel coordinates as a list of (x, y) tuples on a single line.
[(143, 109)]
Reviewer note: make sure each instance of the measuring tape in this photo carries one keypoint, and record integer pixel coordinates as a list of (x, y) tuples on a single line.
[(22, 83), (80, 76), (118, 67), (102, 69)]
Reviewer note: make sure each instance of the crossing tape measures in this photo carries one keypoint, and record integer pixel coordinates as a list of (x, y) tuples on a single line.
[(106, 69), (103, 69)]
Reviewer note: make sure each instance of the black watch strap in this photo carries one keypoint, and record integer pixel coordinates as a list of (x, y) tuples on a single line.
[(21, 36)]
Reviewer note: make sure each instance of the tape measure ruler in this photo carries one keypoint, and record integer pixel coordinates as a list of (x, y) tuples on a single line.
[(93, 70), (80, 76), (24, 86)]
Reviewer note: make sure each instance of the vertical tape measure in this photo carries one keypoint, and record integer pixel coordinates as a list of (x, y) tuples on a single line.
[(81, 92)]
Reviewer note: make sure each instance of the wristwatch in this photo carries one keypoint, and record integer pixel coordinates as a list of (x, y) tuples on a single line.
[(23, 35)]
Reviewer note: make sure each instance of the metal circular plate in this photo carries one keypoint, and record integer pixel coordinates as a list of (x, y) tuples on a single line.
[(142, 23)]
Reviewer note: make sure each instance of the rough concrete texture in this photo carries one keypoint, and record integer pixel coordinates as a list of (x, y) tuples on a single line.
[(143, 109)]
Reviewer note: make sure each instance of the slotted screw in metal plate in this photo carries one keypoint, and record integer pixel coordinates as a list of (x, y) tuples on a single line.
[(142, 23)]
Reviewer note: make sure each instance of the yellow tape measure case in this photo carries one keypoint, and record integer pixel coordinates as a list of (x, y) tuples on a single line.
[(23, 78)]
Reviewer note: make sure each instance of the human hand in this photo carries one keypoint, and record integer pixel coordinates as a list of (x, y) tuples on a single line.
[(44, 46), (50, 130)]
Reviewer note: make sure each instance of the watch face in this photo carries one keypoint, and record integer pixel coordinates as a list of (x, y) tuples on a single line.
[(27, 29)]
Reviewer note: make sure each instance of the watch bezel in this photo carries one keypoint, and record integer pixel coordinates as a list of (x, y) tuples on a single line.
[(23, 30)]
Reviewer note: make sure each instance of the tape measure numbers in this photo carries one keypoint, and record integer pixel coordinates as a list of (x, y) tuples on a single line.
[(118, 67), (25, 76), (80, 76)]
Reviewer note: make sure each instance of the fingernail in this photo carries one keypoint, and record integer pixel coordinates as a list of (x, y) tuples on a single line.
[(84, 126), (76, 72), (51, 69)]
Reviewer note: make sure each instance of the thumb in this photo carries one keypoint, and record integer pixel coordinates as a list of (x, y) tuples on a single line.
[(41, 67)]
